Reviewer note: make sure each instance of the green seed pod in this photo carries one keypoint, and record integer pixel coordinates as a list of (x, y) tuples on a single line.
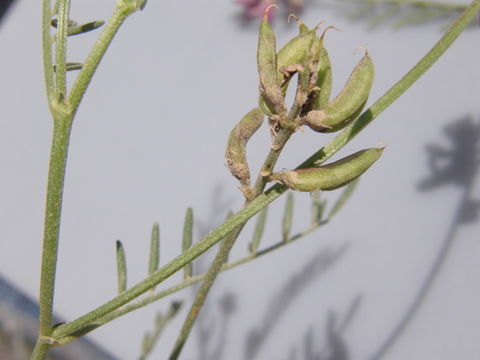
[(315, 117), (307, 76), (321, 97), (236, 147), (331, 176), (291, 54), (294, 52), (270, 90), (302, 28), (349, 102)]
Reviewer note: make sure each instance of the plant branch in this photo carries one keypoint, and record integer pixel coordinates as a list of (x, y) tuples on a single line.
[(196, 279), (62, 117), (64, 331), (47, 49), (210, 277), (226, 246), (58, 159), (61, 50), (173, 266), (270, 161), (93, 60)]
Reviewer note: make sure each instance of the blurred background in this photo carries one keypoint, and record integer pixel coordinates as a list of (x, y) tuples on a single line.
[(393, 276)]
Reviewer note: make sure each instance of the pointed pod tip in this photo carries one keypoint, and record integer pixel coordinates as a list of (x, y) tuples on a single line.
[(382, 146), (293, 16), (361, 47), (267, 9), (319, 25), (328, 28)]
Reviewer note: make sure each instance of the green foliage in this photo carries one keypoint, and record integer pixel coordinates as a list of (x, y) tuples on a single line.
[(121, 268)]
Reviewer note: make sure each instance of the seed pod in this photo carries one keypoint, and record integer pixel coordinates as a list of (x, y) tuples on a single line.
[(270, 90), (320, 98), (349, 102), (289, 57), (314, 120), (236, 147), (294, 52), (302, 28), (307, 76), (331, 176)]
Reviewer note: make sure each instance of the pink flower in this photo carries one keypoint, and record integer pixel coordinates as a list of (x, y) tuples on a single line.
[(256, 8)]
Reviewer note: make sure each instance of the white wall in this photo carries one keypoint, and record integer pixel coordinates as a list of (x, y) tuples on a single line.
[(149, 140)]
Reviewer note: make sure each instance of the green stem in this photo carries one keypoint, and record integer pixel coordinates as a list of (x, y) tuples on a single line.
[(61, 50), (227, 244), (270, 161), (193, 280), (202, 293), (275, 191), (47, 48), (63, 115), (173, 266), (91, 64), (40, 350), (58, 160)]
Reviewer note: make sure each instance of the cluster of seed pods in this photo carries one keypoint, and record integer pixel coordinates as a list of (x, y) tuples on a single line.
[(306, 57)]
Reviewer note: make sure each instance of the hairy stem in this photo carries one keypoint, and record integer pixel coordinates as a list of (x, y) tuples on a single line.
[(91, 64), (47, 48), (202, 293), (196, 279), (270, 161), (58, 161), (173, 266), (63, 114), (61, 50), (227, 245)]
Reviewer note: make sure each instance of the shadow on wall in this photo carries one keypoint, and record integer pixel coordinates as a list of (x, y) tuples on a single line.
[(457, 165), (213, 325), (335, 346), (285, 298)]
